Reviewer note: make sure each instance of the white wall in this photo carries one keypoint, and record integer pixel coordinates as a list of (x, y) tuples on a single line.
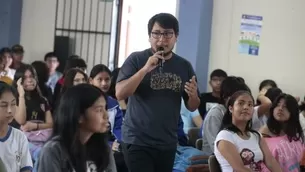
[(37, 28), (281, 56), (141, 12)]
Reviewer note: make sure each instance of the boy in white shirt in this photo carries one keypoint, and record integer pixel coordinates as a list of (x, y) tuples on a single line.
[(14, 149)]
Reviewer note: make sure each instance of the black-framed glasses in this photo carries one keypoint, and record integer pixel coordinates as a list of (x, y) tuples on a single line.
[(166, 35)]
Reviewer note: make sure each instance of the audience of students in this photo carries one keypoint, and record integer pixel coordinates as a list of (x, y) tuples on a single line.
[(73, 121)]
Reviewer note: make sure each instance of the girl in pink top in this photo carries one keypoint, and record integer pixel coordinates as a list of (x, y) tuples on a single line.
[(283, 133)]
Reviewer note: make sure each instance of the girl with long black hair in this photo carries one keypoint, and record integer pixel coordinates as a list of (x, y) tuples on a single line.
[(283, 133), (79, 142), (237, 146)]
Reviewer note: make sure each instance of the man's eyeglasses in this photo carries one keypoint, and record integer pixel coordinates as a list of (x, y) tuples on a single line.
[(166, 35)]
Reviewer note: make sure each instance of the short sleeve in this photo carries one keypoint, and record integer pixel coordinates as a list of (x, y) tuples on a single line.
[(225, 135), (50, 159), (129, 68), (25, 159), (46, 104)]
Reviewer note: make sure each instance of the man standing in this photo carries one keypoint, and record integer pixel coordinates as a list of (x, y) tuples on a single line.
[(149, 130)]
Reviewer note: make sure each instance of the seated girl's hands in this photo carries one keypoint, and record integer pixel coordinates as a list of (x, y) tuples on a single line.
[(29, 126)]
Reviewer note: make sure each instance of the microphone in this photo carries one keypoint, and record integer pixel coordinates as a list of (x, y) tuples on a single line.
[(160, 60)]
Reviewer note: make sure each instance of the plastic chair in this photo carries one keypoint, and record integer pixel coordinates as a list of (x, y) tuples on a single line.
[(213, 164)]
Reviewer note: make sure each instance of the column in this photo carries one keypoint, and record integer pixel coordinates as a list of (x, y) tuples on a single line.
[(195, 20), (10, 22)]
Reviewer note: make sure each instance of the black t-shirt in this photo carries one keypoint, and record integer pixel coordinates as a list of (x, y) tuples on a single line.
[(153, 111), (36, 109), (207, 101)]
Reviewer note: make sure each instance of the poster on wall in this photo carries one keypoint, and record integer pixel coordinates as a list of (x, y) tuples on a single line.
[(250, 33)]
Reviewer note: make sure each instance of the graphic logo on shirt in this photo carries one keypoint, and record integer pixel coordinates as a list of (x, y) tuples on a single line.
[(34, 115), (18, 156), (160, 81), (91, 167), (247, 157)]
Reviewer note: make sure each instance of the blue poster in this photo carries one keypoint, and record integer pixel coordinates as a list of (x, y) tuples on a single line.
[(250, 33)]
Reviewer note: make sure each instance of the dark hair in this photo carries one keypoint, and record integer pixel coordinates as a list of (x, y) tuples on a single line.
[(227, 118), (240, 79), (98, 69), (73, 104), (218, 73), (4, 87), (5, 50), (231, 85), (114, 76), (293, 128), (69, 78), (74, 56), (75, 63), (36, 93), (50, 55), (17, 49), (267, 82), (165, 20), (42, 71), (273, 93)]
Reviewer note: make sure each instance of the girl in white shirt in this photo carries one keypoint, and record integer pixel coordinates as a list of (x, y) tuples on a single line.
[(237, 146), (14, 148)]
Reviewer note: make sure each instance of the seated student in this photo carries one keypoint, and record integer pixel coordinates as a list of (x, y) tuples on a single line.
[(79, 142), (264, 86), (14, 148), (17, 54), (73, 77), (33, 111), (237, 146), (52, 62), (259, 121), (72, 62), (214, 117), (100, 76), (190, 119), (208, 100), (212, 122), (283, 133), (7, 59)]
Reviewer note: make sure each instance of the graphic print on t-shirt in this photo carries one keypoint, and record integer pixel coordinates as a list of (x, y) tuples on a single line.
[(160, 81), (91, 167), (247, 157)]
